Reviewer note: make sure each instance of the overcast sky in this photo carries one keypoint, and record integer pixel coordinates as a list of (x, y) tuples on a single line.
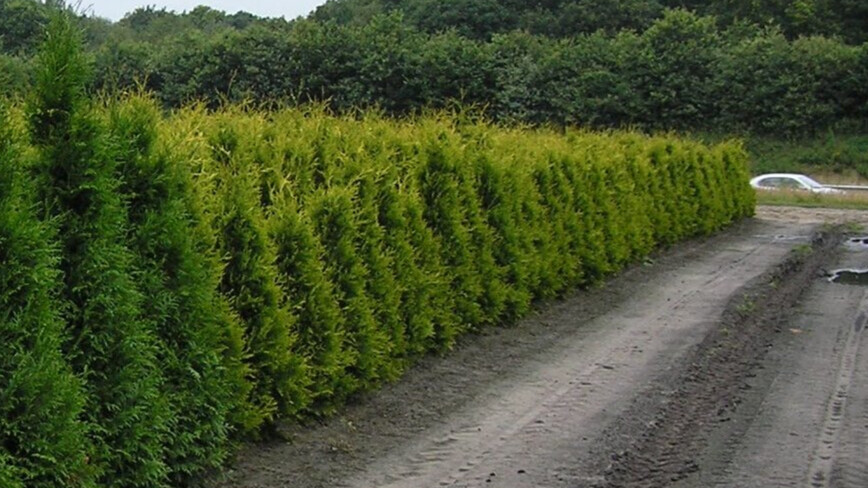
[(115, 9)]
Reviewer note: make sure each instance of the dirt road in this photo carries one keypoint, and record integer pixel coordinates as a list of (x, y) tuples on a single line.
[(728, 361)]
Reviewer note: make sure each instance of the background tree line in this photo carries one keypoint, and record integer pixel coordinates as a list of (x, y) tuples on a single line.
[(480, 19), (763, 67)]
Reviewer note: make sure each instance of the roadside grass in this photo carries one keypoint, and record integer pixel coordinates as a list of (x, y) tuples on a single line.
[(856, 200)]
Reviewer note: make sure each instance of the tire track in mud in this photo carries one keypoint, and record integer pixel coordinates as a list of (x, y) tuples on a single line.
[(712, 385), (829, 445), (771, 439), (850, 466)]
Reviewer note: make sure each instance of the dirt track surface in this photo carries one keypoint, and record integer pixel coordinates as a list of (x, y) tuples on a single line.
[(727, 361)]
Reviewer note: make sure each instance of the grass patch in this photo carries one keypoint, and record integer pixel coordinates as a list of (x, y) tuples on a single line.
[(857, 200)]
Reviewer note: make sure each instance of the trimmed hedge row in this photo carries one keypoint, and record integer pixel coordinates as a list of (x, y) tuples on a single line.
[(172, 285), (391, 239)]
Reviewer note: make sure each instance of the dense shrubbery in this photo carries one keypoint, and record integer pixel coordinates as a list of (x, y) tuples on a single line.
[(773, 68), (42, 441), (172, 284), (481, 19), (199, 351), (110, 343), (828, 152), (683, 72)]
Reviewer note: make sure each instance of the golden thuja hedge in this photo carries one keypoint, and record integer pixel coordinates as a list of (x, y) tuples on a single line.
[(382, 240), (200, 275)]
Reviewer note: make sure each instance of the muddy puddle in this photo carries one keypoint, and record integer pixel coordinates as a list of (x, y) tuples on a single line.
[(857, 243), (850, 277)]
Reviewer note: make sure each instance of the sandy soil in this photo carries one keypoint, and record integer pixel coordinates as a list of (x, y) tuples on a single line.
[(697, 368)]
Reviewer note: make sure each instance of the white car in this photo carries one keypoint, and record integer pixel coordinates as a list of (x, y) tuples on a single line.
[(790, 181)]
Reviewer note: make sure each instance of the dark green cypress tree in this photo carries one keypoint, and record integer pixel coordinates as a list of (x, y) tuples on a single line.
[(179, 273), (43, 441), (109, 344)]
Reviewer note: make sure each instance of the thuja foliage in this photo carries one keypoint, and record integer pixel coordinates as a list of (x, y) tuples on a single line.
[(439, 188), (199, 351), (394, 238), (250, 276), (43, 441), (382, 285), (109, 343), (322, 337), (421, 299), (335, 217)]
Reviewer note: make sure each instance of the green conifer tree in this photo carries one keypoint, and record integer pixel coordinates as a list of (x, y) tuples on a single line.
[(251, 280), (500, 199), (321, 332), (413, 265), (382, 286), (43, 441), (447, 322), (109, 343), (180, 275), (439, 188), (483, 241), (333, 213)]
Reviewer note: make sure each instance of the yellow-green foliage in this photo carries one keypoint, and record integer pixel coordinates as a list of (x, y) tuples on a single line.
[(287, 260), (394, 238), (250, 277)]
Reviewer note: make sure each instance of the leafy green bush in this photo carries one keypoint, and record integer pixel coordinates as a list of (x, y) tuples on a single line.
[(828, 152)]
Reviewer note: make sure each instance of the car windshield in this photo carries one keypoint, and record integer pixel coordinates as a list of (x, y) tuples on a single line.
[(808, 181)]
